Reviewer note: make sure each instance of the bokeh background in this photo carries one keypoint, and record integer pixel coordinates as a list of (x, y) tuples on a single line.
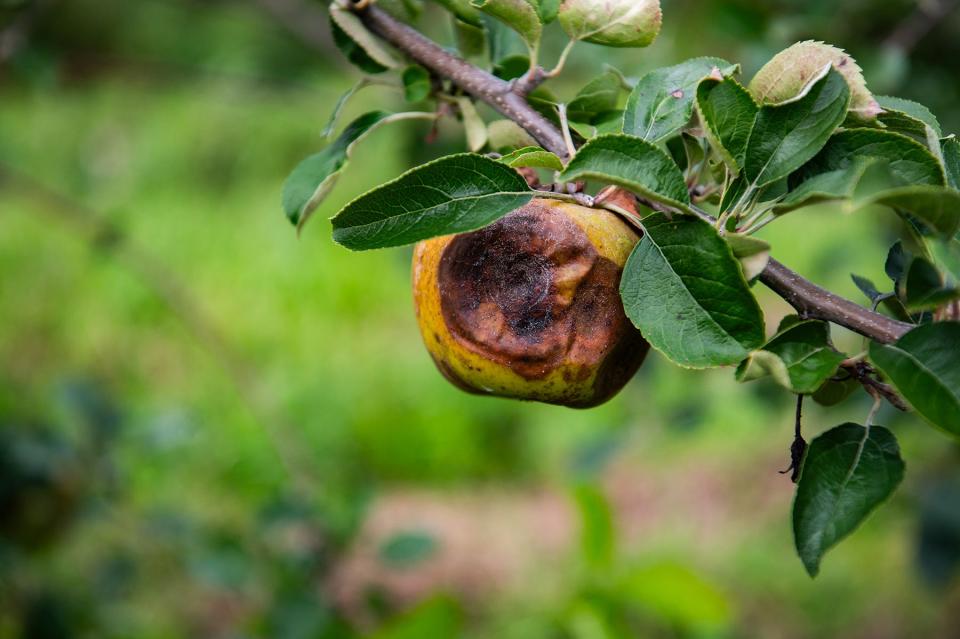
[(210, 427)]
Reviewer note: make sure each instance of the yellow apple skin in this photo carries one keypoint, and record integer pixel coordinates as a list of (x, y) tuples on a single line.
[(529, 307)]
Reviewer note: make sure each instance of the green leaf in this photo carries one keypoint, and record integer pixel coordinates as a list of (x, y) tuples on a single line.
[(753, 253), (599, 96), (790, 71), (840, 184), (507, 134), (910, 162), (548, 10), (612, 23), (847, 472), (608, 122), (896, 108), (338, 107), (348, 24), (950, 148), (463, 10), (938, 207), (403, 10), (520, 15), (416, 83), (947, 254), (474, 126), (662, 101), (834, 392), (890, 301), (727, 112), (867, 287), (925, 288), (407, 548), (604, 123), (733, 193), (924, 366), (471, 39), (799, 357), (533, 156), (512, 67), (685, 291), (632, 163), (503, 42), (315, 176), (872, 180), (788, 134), (353, 51), (451, 195)]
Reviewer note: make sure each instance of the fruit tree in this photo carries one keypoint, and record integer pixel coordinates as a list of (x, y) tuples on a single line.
[(572, 237)]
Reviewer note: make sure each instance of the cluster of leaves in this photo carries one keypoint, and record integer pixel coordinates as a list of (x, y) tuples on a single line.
[(712, 161)]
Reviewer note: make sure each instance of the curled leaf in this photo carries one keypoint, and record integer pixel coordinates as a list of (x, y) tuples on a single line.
[(612, 23), (788, 72), (372, 46), (523, 16), (315, 176)]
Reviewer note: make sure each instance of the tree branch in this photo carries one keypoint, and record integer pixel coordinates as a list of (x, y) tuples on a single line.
[(809, 299), (475, 81)]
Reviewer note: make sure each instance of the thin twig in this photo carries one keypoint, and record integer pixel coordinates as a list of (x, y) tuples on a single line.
[(480, 84), (799, 445), (867, 376), (815, 302)]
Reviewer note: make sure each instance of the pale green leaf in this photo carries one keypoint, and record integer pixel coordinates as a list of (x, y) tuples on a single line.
[(351, 25), (473, 125), (612, 23), (532, 156), (800, 358), (599, 96), (753, 253), (520, 15), (416, 83), (507, 134)]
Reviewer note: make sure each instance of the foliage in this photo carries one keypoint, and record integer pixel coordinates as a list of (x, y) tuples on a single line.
[(176, 121), (706, 157)]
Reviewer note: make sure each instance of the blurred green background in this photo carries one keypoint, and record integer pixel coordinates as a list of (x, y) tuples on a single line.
[(210, 427)]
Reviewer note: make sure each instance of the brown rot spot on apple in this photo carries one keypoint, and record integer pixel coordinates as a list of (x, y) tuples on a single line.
[(534, 299)]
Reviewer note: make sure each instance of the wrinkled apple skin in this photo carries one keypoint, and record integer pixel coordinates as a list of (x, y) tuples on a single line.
[(529, 307)]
